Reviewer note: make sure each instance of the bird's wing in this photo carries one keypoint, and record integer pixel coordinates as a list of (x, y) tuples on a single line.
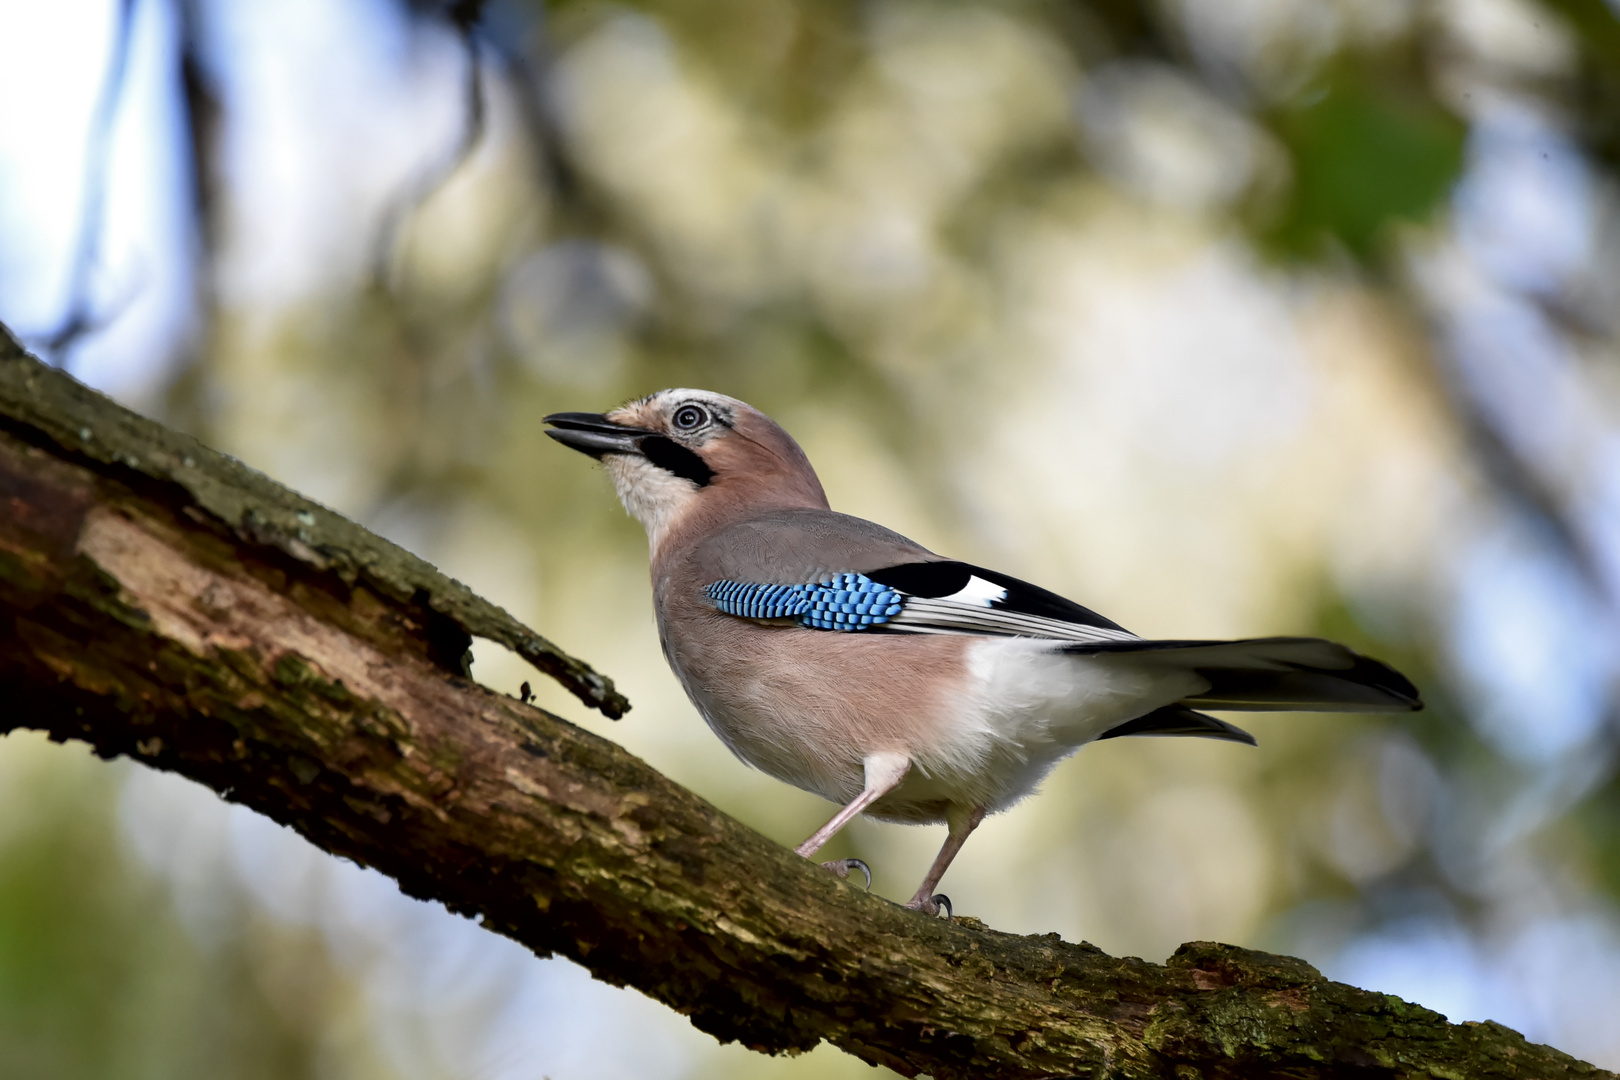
[(830, 571), (960, 598)]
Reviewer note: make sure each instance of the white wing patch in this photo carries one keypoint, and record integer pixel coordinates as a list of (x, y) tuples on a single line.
[(977, 592)]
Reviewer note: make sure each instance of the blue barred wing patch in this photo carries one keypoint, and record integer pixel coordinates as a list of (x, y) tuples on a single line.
[(843, 602)]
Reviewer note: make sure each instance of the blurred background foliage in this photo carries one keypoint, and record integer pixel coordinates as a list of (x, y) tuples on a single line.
[(1272, 316)]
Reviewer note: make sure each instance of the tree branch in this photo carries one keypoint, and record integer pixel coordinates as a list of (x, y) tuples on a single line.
[(165, 602)]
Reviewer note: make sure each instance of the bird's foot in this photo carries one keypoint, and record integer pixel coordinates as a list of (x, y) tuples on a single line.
[(842, 867), (932, 905)]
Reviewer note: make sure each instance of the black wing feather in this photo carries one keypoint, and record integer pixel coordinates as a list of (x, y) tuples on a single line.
[(932, 580)]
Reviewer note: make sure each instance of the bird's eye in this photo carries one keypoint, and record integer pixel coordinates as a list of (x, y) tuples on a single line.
[(690, 417)]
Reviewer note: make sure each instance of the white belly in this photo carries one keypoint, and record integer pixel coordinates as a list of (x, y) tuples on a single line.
[(1031, 706), (982, 729)]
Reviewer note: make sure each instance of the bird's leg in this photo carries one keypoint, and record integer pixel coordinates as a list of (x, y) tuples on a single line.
[(961, 822), (884, 771)]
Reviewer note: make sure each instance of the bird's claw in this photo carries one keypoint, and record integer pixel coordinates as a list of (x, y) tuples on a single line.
[(842, 867), (933, 905)]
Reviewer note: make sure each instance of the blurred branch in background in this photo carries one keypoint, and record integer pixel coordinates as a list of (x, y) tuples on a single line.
[(81, 315), (463, 15)]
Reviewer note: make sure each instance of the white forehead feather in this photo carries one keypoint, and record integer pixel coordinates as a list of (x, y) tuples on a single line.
[(665, 399)]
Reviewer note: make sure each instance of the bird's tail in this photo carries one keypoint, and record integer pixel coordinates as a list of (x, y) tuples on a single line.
[(1259, 674)]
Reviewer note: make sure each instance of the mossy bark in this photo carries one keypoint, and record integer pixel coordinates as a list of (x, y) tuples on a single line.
[(161, 601)]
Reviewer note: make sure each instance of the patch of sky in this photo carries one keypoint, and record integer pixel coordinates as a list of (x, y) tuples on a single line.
[(1524, 207), (1535, 647), (140, 283)]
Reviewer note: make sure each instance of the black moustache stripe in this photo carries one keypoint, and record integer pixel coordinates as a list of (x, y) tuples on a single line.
[(671, 456)]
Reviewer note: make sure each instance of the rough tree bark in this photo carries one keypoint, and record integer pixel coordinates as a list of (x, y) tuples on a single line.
[(163, 601)]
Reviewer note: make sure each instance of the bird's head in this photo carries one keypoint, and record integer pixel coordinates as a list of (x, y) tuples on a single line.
[(679, 453)]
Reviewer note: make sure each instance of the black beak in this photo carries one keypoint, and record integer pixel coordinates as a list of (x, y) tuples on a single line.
[(594, 434)]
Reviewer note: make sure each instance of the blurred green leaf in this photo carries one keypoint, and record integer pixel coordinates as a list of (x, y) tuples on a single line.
[(99, 980), (1363, 158), (1599, 820)]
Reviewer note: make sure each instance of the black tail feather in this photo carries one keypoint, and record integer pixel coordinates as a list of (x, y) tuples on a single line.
[(1282, 673), (1180, 720)]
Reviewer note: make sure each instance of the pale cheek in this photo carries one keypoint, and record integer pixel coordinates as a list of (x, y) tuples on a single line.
[(652, 495)]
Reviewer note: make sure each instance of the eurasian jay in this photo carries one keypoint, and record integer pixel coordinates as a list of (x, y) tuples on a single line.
[(849, 661)]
